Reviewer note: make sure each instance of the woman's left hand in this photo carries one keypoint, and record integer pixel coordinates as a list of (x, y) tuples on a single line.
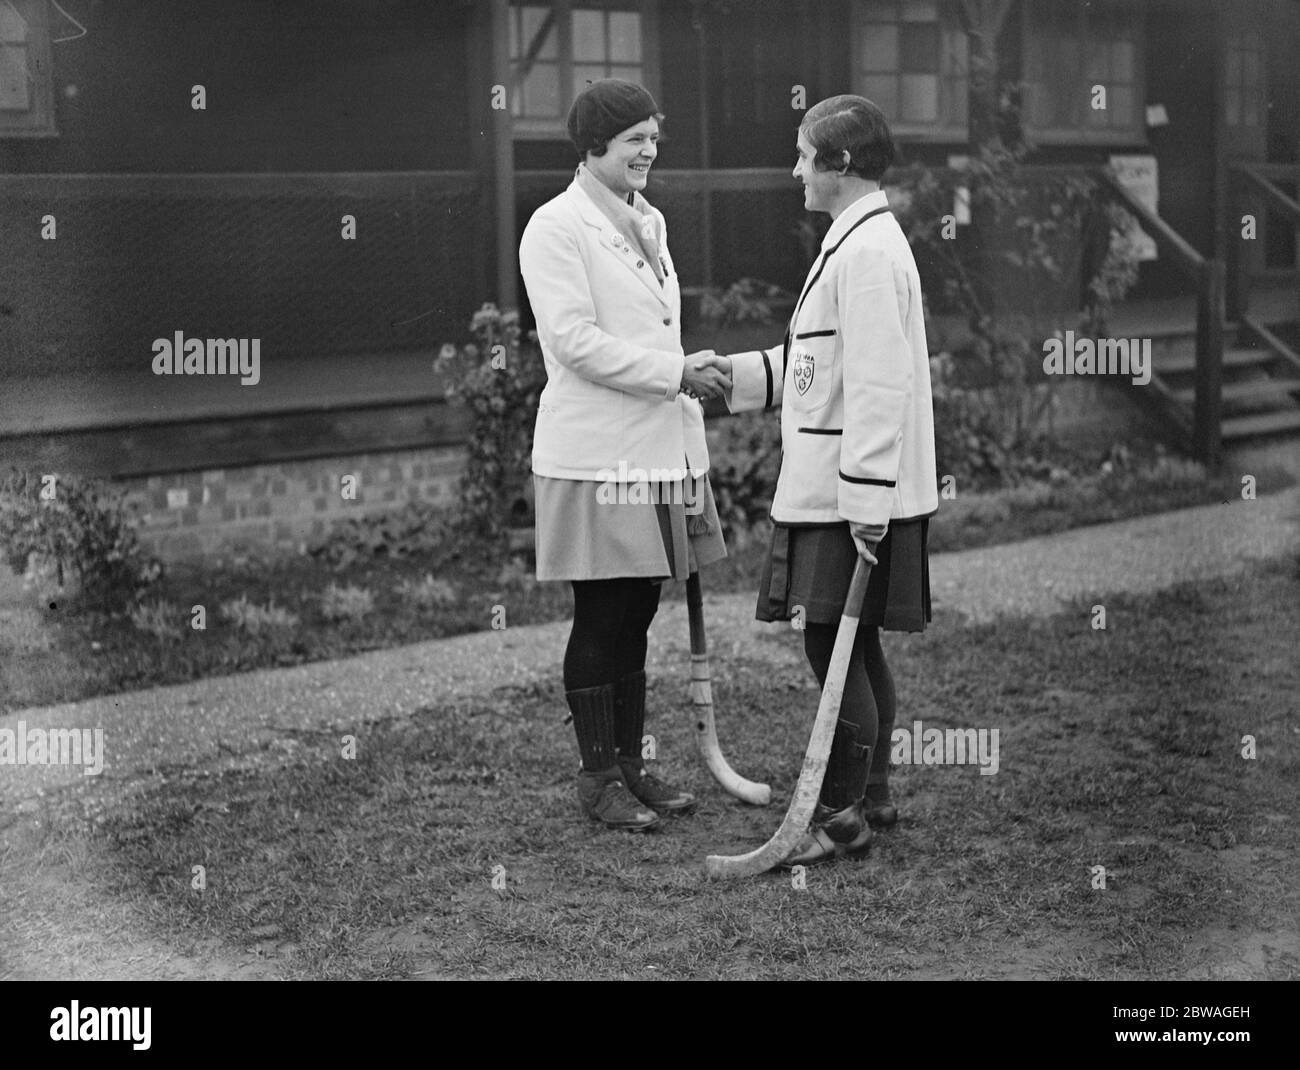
[(866, 537)]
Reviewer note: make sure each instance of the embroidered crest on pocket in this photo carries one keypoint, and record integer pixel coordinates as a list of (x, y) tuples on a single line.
[(804, 368)]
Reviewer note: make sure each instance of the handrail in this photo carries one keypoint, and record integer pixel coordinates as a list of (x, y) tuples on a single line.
[(1209, 277), (1284, 204), (1268, 170), (1188, 259)]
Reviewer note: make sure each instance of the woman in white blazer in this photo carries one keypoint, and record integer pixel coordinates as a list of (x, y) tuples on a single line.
[(619, 456), (858, 472)]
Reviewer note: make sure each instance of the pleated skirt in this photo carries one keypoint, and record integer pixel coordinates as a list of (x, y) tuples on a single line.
[(811, 567), (587, 530)]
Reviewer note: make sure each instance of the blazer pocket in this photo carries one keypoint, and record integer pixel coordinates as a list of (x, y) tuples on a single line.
[(810, 375)]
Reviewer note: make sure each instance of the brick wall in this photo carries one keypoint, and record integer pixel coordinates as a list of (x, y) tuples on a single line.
[(281, 506)]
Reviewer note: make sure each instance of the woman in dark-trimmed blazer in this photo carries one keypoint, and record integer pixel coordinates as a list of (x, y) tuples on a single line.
[(858, 472), (619, 457)]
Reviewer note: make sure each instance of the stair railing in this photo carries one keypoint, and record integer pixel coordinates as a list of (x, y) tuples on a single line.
[(1208, 275)]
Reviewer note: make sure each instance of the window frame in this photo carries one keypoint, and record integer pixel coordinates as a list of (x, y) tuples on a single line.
[(942, 130), (1134, 135), (38, 120), (548, 128), (1235, 42)]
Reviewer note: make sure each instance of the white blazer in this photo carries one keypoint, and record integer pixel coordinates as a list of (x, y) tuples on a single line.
[(853, 381), (611, 337)]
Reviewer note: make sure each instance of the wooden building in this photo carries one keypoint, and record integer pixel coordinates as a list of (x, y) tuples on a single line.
[(191, 167)]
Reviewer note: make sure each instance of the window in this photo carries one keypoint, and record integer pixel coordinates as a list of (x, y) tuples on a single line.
[(556, 49), (26, 74), (1070, 50), (1243, 97), (910, 59)]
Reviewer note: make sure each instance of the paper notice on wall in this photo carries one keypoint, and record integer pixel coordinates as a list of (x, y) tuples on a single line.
[(1139, 176)]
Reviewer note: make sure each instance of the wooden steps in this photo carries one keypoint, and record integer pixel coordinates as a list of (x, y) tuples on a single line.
[(1264, 423), (1261, 379)]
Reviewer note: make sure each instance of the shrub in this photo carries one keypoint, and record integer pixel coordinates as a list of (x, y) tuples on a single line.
[(256, 620), (500, 377), (745, 301), (159, 618), (417, 528), (744, 458), (82, 532), (1014, 281), (346, 603), (428, 592)]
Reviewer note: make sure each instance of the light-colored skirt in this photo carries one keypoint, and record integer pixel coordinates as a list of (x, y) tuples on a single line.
[(587, 530)]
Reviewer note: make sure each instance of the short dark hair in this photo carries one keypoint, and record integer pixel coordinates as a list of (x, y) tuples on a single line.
[(603, 110), (846, 123)]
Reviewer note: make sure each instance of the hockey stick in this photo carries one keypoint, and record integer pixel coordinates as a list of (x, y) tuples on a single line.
[(808, 789), (702, 699)]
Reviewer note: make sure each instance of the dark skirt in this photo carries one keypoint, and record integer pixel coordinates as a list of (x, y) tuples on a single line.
[(812, 566)]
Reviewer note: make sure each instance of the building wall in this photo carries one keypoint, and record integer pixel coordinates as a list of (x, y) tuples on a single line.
[(282, 506), (332, 85)]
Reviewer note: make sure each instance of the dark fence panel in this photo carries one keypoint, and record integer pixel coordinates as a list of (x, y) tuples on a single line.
[(139, 257)]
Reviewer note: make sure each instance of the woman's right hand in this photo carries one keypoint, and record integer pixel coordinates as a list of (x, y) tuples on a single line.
[(706, 375)]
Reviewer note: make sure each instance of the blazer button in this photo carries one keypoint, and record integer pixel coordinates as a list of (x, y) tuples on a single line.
[(668, 321), (640, 263)]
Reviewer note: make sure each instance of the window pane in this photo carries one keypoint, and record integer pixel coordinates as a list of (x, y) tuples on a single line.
[(628, 73), (954, 52), (589, 35), (920, 10), (880, 47), (1121, 61), (12, 26), (1123, 106), (1250, 110), (1234, 67), (1098, 66), (1042, 105), (919, 47), (958, 100), (584, 71), (1250, 70), (882, 91), (920, 102), (625, 37), (533, 18), (542, 90), (13, 78)]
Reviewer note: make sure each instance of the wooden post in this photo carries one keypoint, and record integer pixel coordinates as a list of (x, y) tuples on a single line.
[(1207, 419), (701, 25), (503, 161), (1237, 297)]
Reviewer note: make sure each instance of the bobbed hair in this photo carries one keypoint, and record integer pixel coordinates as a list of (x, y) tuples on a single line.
[(851, 124)]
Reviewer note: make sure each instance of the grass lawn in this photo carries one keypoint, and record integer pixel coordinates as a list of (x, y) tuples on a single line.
[(444, 588), (1118, 748)]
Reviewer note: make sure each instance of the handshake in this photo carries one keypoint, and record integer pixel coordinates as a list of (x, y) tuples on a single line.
[(706, 375)]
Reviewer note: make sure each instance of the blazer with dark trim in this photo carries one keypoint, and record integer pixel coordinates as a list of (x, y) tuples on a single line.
[(853, 381)]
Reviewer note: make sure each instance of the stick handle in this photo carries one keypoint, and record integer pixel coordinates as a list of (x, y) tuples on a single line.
[(695, 607)]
